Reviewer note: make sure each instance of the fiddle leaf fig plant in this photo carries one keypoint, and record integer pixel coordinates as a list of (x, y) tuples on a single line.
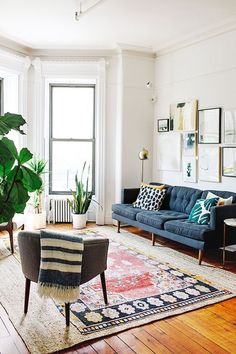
[(16, 179)]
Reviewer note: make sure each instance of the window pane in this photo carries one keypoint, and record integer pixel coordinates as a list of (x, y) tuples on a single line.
[(72, 112), (67, 160)]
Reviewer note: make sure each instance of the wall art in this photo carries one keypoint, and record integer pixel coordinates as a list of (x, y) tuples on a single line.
[(183, 116), (162, 125), (229, 161), (189, 169), (189, 144), (209, 126), (169, 152), (209, 163), (230, 127)]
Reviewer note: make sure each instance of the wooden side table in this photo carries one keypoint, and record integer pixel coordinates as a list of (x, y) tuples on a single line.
[(227, 223)]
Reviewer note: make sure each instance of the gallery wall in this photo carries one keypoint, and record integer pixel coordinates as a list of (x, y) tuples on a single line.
[(205, 71)]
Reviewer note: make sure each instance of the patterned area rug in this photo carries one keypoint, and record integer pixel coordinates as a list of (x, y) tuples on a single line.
[(141, 288)]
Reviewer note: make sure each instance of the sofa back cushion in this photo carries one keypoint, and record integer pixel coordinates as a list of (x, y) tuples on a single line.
[(183, 199), (221, 194), (166, 201)]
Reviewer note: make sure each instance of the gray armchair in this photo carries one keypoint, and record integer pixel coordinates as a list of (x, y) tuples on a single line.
[(94, 262)]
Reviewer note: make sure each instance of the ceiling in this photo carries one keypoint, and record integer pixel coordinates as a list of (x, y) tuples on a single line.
[(154, 24)]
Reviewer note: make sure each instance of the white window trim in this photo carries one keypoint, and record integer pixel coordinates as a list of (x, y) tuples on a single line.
[(79, 72)]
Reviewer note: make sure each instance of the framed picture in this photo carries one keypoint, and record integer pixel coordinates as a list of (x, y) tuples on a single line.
[(163, 125), (209, 126), (189, 144), (230, 127), (183, 116), (209, 163), (169, 152), (229, 161), (189, 169)]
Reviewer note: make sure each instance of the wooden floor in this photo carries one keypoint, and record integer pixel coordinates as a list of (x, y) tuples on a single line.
[(208, 330)]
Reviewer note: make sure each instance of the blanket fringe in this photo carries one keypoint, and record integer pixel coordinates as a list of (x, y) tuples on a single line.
[(59, 292)]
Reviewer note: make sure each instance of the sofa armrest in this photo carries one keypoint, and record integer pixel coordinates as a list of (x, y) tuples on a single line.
[(220, 213), (130, 195)]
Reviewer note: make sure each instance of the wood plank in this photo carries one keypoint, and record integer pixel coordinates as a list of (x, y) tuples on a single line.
[(180, 339), (118, 345), (134, 343), (207, 331), (194, 335), (86, 350), (101, 347), (169, 344), (7, 346)]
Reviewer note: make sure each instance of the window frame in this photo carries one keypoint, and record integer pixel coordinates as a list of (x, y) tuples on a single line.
[(51, 139)]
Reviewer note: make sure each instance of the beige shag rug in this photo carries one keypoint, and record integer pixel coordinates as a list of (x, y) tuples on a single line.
[(43, 329)]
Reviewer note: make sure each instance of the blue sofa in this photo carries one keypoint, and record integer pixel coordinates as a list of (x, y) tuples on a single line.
[(171, 221)]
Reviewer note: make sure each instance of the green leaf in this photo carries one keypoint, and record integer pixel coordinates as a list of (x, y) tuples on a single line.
[(8, 154), (25, 155), (11, 121), (31, 181)]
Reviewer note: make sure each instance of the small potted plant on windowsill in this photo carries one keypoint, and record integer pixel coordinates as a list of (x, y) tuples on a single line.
[(81, 200), (36, 215)]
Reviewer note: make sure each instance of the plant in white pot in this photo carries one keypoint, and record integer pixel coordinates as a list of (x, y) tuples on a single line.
[(36, 217), (81, 200)]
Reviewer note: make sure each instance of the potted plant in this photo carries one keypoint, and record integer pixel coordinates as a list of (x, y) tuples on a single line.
[(36, 217), (81, 200), (16, 179)]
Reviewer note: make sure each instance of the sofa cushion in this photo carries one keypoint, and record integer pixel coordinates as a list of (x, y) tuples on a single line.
[(182, 199), (150, 197), (189, 229), (201, 210), (158, 218), (126, 210), (221, 194)]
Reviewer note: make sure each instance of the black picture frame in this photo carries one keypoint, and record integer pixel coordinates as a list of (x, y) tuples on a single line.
[(229, 162), (209, 132), (162, 125)]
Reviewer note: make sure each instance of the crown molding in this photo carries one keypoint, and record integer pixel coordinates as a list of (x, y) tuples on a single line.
[(199, 36), (13, 47)]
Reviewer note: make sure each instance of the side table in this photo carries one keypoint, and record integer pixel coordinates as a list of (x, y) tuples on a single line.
[(227, 223)]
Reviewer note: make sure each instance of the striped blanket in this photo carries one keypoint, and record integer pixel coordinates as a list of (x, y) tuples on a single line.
[(60, 266)]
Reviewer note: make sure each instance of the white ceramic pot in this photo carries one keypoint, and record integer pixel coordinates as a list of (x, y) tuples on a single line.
[(35, 221), (79, 221)]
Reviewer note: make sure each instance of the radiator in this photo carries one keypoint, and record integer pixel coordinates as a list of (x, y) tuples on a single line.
[(59, 211)]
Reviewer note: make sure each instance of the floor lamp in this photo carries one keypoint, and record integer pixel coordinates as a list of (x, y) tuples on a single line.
[(143, 155)]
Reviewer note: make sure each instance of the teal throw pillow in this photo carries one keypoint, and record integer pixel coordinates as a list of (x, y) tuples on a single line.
[(201, 210)]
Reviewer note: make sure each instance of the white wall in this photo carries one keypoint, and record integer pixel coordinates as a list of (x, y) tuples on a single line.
[(205, 71)]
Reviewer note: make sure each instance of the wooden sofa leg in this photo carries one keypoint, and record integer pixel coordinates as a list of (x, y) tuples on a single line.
[(153, 239), (200, 255), (67, 313), (104, 289), (118, 227), (27, 292)]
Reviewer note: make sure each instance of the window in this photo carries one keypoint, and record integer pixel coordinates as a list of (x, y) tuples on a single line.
[(72, 135)]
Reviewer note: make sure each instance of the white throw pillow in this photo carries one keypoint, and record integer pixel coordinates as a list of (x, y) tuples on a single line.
[(221, 201)]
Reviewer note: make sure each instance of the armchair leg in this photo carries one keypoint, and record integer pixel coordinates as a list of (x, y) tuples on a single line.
[(10, 231), (118, 227), (153, 239), (67, 313), (200, 256), (27, 292), (104, 289)]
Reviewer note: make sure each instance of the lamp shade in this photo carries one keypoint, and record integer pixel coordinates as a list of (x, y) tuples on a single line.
[(143, 154)]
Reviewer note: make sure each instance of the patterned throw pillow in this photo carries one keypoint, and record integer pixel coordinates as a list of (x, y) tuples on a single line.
[(150, 197), (221, 201), (201, 210)]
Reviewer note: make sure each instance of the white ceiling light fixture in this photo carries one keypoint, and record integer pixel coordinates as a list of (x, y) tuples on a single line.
[(84, 6)]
